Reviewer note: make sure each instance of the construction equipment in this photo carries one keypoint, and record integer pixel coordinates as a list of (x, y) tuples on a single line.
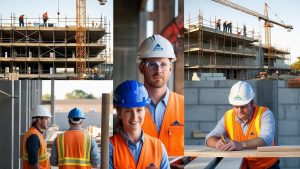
[(81, 37), (265, 17)]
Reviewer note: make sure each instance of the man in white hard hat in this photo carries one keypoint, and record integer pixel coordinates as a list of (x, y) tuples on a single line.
[(245, 126), (165, 116), (34, 146)]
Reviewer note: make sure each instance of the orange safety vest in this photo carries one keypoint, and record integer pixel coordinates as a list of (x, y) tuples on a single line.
[(43, 157), (73, 149), (150, 156), (172, 128), (235, 133)]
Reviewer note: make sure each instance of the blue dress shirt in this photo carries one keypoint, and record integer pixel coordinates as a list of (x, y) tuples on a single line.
[(158, 111)]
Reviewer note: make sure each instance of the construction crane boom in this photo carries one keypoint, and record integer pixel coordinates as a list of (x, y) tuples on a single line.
[(251, 12)]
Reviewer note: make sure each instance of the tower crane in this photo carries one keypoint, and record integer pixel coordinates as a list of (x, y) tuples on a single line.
[(268, 22), (81, 37)]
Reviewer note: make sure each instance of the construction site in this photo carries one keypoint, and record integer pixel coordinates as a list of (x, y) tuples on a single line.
[(226, 42), (38, 50), (18, 98), (207, 102), (217, 49)]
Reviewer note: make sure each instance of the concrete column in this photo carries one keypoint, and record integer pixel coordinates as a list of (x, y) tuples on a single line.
[(267, 95), (126, 39)]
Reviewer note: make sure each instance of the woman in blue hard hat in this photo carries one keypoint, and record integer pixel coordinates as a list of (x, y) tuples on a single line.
[(75, 148), (131, 147)]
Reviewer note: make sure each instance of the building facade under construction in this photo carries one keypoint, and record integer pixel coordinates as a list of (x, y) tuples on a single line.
[(35, 51), (219, 53)]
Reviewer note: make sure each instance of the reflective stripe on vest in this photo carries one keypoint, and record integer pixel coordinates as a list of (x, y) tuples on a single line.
[(229, 121), (172, 128), (80, 161), (150, 155), (43, 157)]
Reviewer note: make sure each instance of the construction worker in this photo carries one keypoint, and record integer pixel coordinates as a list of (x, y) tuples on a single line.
[(75, 148), (229, 27), (164, 118), (21, 20), (245, 30), (225, 26), (45, 18), (131, 147), (218, 24), (245, 126), (34, 146)]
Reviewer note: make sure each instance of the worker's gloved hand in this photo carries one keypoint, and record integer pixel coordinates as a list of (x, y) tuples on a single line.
[(220, 144), (231, 145)]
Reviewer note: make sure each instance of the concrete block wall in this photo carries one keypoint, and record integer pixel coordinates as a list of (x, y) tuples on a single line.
[(288, 121), (207, 101)]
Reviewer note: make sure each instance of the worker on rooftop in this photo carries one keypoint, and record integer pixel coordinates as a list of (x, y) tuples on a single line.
[(131, 147), (229, 27), (245, 126), (75, 148), (165, 112), (218, 24), (21, 20), (245, 30), (45, 18), (34, 146), (225, 26)]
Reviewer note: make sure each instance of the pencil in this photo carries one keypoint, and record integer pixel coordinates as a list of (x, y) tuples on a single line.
[(223, 138)]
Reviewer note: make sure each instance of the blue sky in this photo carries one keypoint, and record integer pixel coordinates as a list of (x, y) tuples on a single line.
[(287, 10), (35, 8)]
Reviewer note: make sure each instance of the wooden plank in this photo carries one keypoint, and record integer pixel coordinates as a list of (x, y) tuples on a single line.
[(278, 148), (202, 163), (230, 163), (204, 151), (279, 154)]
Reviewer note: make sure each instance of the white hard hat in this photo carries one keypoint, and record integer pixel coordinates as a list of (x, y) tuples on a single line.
[(155, 46), (241, 94), (40, 111)]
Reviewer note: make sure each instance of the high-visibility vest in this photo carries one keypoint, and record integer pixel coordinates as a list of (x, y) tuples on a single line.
[(235, 133), (172, 128), (43, 157), (150, 156), (73, 149)]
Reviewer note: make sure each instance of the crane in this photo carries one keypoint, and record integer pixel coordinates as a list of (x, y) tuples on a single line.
[(81, 37), (268, 22)]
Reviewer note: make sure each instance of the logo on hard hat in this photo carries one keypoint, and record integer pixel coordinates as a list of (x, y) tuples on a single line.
[(158, 48), (238, 97)]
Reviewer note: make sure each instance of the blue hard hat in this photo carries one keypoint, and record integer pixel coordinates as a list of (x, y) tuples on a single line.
[(131, 94), (76, 113)]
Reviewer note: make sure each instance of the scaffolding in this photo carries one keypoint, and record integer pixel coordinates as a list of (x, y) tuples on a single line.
[(235, 54), (38, 52)]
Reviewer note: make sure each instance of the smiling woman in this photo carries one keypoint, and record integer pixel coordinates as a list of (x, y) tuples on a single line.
[(130, 100)]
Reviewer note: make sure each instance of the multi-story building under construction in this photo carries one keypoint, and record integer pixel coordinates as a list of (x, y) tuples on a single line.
[(38, 52), (228, 54)]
